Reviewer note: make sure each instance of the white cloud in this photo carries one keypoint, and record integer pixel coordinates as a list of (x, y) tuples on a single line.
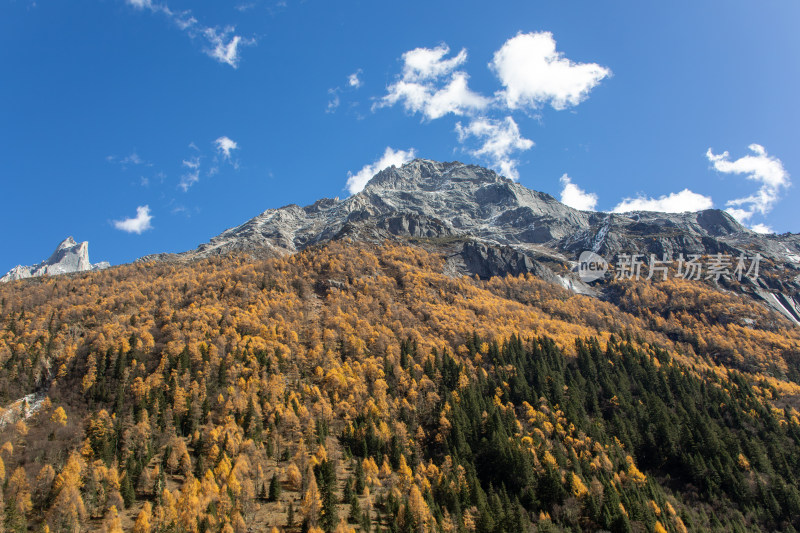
[(428, 63), (500, 139), (759, 167), (740, 214), (676, 202), (390, 157), (430, 85), (180, 18), (137, 224), (455, 97), (225, 145), (575, 197), (435, 102), (353, 79), (534, 73), (223, 44), (762, 228), (140, 4)]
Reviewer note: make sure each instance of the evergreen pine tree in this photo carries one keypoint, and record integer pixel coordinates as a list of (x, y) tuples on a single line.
[(290, 515), (274, 488), (128, 493), (355, 511)]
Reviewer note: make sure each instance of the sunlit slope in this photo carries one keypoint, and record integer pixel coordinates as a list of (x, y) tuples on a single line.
[(358, 386)]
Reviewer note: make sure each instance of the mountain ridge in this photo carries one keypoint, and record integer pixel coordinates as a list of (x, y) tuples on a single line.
[(471, 214)]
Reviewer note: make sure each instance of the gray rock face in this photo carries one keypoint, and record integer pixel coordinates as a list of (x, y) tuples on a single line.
[(424, 199), (488, 261), (490, 225), (68, 257)]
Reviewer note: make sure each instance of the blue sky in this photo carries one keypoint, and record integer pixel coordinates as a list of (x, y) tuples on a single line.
[(149, 126)]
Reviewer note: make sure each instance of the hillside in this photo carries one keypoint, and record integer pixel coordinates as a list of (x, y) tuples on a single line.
[(370, 387)]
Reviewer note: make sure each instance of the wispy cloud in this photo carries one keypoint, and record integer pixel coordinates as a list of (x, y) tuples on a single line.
[(192, 173), (501, 138), (133, 159), (575, 197), (222, 44), (335, 94), (192, 163), (356, 182), (760, 168), (193, 166), (137, 224), (676, 202), (188, 179), (334, 102)]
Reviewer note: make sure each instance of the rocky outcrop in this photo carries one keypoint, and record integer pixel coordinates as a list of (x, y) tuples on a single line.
[(69, 256), (489, 261)]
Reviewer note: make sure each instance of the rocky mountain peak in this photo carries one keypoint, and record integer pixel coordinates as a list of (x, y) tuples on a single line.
[(717, 222), (69, 242), (73, 253), (428, 175), (69, 256)]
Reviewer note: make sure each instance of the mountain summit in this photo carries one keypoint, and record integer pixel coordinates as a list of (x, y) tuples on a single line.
[(489, 225), (69, 256)]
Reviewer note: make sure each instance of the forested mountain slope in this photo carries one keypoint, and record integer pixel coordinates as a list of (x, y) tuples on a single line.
[(352, 386)]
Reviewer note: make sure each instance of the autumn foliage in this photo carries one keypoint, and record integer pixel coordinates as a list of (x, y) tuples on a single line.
[(356, 387)]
